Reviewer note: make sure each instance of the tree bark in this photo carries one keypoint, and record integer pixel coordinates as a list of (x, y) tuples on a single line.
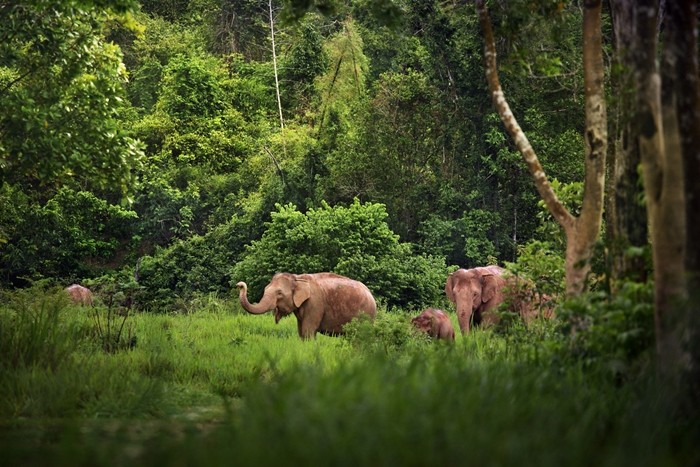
[(659, 144), (626, 216), (582, 232), (681, 49)]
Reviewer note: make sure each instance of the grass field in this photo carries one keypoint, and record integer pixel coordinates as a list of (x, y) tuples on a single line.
[(220, 387)]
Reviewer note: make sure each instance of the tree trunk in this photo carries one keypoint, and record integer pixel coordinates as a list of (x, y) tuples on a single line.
[(582, 232), (274, 63), (596, 141), (663, 179), (626, 216), (681, 48)]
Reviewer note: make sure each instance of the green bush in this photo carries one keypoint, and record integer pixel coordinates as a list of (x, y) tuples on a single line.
[(165, 212), (612, 331), (539, 262), (192, 87), (354, 241), (73, 235), (388, 333), (197, 265)]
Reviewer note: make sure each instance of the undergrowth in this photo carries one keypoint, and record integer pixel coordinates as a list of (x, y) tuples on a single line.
[(218, 386)]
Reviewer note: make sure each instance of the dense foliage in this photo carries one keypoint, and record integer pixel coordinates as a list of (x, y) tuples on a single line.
[(73, 235), (174, 106), (62, 94), (143, 153)]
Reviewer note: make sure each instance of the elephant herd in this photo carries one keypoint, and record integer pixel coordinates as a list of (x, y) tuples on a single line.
[(324, 302)]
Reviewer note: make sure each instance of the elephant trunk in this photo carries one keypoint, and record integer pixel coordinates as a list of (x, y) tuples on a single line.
[(465, 304), (266, 303), (465, 309)]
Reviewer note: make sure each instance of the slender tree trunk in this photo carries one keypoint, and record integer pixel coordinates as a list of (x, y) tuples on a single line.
[(596, 141), (582, 232), (663, 179), (274, 63), (681, 44)]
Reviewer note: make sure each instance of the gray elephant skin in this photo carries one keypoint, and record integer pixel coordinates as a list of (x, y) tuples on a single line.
[(322, 302), (476, 294), (435, 323)]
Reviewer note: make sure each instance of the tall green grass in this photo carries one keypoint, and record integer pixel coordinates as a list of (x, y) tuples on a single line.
[(220, 387)]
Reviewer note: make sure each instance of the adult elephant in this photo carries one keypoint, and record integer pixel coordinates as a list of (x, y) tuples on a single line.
[(322, 302), (79, 295), (476, 293)]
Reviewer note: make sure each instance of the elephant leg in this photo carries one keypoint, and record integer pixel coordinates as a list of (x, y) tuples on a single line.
[(308, 324), (305, 332), (488, 316)]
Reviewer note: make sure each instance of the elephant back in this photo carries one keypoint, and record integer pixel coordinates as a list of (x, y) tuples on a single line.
[(343, 300)]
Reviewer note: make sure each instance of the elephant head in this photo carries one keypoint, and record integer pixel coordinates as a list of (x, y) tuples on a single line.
[(284, 294), (475, 292)]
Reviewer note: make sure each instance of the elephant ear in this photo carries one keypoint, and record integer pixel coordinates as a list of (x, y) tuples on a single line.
[(448, 288), (488, 290), (302, 292)]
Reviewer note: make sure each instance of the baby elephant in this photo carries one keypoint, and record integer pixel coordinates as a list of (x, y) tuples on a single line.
[(436, 323)]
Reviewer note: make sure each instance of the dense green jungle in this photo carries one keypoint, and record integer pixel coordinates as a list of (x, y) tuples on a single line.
[(159, 152)]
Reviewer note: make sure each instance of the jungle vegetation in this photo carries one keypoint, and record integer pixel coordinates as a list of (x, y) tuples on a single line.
[(160, 151)]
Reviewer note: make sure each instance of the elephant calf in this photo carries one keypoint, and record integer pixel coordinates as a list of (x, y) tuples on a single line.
[(435, 323)]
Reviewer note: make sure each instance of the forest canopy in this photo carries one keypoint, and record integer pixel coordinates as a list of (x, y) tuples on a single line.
[(165, 116)]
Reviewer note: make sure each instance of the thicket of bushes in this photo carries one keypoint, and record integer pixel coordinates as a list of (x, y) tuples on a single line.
[(354, 241)]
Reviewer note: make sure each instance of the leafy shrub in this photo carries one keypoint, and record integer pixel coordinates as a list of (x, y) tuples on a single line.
[(544, 266), (252, 86), (165, 212), (192, 87), (615, 331), (354, 241), (73, 235), (388, 333), (198, 265), (536, 282)]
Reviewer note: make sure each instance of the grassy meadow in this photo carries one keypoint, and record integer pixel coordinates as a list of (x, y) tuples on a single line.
[(216, 386)]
